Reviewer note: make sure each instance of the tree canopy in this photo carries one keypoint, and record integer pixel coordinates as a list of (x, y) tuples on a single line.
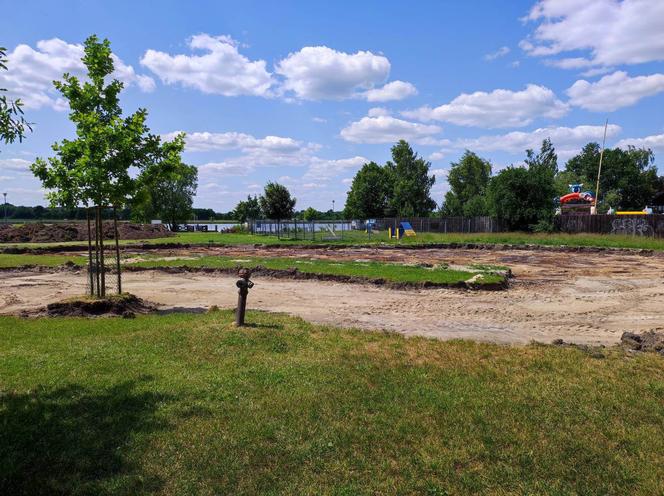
[(167, 187), (276, 202), (369, 193), (13, 125), (94, 168), (628, 180), (247, 209), (468, 179), (411, 183)]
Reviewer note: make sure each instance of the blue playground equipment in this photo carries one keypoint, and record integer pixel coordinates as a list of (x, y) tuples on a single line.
[(404, 229)]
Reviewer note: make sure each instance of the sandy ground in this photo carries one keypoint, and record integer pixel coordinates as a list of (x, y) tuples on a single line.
[(579, 297)]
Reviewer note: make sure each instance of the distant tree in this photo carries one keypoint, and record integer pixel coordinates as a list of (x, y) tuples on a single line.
[(468, 179), (311, 214), (411, 183), (13, 125), (276, 202), (247, 209), (168, 196), (628, 176), (369, 193), (521, 197), (545, 161)]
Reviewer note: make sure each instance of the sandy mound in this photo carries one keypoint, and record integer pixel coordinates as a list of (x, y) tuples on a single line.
[(125, 305), (57, 233)]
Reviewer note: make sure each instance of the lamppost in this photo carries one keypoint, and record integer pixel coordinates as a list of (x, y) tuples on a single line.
[(332, 206), (5, 195)]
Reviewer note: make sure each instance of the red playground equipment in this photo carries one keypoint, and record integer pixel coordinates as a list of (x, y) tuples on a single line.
[(577, 201)]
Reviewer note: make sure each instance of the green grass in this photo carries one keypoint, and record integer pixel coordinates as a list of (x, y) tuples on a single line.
[(369, 270), (12, 260), (183, 404), (358, 237)]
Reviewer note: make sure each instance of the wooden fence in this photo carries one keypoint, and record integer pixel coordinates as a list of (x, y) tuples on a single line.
[(633, 225)]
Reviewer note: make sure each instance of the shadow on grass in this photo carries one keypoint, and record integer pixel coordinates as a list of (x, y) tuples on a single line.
[(76, 441)]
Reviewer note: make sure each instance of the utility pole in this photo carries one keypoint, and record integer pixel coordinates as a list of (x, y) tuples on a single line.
[(5, 195), (332, 206), (599, 170)]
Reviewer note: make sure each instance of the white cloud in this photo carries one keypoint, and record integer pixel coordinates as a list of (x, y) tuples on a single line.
[(501, 52), (610, 32), (206, 141), (435, 156), (614, 91), (319, 120), (563, 138), (319, 73), (378, 111), (324, 170), (229, 168), (15, 165), (387, 129), (222, 70), (499, 108), (32, 71), (396, 90), (654, 142)]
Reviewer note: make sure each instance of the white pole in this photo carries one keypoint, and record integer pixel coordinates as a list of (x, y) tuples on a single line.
[(599, 171)]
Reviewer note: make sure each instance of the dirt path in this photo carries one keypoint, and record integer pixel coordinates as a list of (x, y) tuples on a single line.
[(581, 298)]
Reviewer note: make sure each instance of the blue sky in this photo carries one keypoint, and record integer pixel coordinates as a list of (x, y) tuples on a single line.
[(305, 92)]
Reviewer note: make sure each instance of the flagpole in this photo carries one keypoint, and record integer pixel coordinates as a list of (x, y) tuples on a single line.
[(599, 171)]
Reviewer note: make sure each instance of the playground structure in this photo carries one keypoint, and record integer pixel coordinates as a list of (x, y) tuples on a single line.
[(404, 229), (577, 201)]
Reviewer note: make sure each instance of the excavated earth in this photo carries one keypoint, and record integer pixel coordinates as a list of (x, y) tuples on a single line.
[(584, 297)]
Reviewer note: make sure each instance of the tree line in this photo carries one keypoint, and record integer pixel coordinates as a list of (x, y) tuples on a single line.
[(522, 196)]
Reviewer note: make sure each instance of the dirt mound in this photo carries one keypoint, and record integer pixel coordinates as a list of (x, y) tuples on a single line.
[(125, 305), (57, 233), (645, 341)]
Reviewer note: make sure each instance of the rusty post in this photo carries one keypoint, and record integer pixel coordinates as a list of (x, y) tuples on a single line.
[(244, 285)]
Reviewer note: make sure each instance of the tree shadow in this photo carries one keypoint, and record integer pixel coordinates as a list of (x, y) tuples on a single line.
[(74, 441)]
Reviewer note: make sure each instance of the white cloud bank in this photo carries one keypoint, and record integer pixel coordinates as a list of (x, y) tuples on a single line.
[(607, 32), (381, 128), (614, 91), (311, 73), (496, 109), (221, 70), (32, 71), (654, 142)]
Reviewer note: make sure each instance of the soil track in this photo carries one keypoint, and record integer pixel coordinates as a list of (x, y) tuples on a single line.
[(584, 298)]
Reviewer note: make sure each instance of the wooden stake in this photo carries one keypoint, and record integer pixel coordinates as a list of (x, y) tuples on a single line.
[(117, 249)]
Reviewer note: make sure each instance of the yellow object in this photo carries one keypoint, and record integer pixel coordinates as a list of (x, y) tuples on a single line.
[(639, 212), (409, 232), (398, 233)]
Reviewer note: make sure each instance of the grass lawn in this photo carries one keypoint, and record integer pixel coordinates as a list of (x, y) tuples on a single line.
[(11, 260), (359, 237), (189, 404), (370, 270)]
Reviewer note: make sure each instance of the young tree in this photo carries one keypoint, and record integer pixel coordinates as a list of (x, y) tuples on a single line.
[(369, 193), (248, 209), (13, 125), (411, 182), (468, 179), (94, 168), (276, 202)]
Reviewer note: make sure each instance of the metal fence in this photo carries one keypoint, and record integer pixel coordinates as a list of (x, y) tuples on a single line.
[(633, 225), (328, 230)]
